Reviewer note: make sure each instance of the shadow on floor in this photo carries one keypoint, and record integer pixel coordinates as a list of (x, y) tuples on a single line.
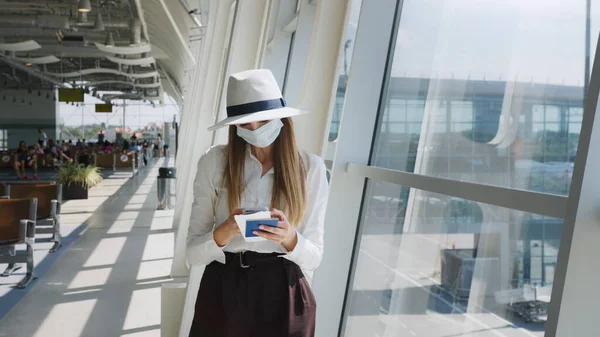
[(108, 282)]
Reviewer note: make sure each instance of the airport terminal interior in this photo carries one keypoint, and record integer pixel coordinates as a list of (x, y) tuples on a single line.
[(458, 137)]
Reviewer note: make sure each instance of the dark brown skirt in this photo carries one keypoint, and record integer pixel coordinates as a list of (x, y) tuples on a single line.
[(254, 295)]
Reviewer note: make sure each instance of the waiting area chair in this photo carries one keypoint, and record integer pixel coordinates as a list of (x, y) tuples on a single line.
[(49, 198), (17, 227)]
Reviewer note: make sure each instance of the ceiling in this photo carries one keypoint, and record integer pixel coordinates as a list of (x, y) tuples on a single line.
[(46, 44)]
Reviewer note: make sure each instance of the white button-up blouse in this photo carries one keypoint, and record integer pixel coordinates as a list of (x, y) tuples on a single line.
[(210, 208)]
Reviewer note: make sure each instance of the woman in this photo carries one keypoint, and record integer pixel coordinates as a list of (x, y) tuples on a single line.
[(26, 158), (257, 289), (51, 152)]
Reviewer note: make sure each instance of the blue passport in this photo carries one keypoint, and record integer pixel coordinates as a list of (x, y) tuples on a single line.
[(252, 225)]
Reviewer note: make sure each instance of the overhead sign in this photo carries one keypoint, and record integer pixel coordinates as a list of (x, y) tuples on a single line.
[(70, 95), (104, 108)]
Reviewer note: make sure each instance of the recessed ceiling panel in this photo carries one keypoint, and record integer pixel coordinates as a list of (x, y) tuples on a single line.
[(39, 60), (145, 48), (91, 71), (149, 85), (132, 62), (20, 46)]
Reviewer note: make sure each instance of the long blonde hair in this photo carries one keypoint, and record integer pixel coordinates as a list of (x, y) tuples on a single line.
[(289, 186)]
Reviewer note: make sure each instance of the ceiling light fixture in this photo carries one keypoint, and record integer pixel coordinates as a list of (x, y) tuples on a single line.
[(83, 17), (84, 6), (99, 23), (110, 41)]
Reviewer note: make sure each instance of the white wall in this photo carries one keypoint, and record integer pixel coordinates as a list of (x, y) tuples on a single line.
[(278, 47), (23, 120)]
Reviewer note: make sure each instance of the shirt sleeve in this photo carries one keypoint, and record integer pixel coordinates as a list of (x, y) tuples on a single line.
[(309, 250), (201, 245)]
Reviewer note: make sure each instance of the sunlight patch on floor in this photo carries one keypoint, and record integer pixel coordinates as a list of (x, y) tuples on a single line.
[(73, 315), (90, 278), (144, 309), (121, 226), (154, 269), (149, 333), (159, 246), (106, 252)]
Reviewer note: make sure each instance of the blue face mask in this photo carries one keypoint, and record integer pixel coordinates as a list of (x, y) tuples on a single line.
[(263, 136)]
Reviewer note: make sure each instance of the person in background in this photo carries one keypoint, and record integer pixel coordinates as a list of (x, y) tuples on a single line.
[(161, 145), (135, 147), (65, 156), (43, 138), (26, 158), (145, 146), (39, 152), (51, 152), (155, 152), (79, 144)]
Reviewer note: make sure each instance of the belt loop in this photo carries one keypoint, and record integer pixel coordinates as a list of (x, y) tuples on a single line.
[(242, 264)]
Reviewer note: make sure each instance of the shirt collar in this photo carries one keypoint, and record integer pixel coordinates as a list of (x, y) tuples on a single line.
[(252, 157)]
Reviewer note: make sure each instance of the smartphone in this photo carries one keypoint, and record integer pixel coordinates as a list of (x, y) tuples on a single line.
[(253, 225), (252, 210)]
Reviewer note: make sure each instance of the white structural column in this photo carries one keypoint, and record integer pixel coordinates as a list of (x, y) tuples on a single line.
[(366, 75), (283, 19), (573, 311), (246, 45), (200, 106), (298, 51), (178, 33), (318, 92)]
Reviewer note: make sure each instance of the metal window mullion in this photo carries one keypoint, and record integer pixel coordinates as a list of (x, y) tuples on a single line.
[(526, 201), (574, 305), (363, 95)]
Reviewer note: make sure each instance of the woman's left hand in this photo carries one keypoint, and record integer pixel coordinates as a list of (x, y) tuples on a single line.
[(284, 233)]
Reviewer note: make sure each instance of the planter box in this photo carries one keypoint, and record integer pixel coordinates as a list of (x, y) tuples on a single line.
[(74, 191)]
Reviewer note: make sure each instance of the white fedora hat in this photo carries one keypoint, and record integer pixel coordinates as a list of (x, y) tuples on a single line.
[(254, 96)]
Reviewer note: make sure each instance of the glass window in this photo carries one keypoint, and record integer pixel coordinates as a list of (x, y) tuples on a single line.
[(289, 61), (500, 83), (141, 119), (346, 59), (3, 139), (436, 266)]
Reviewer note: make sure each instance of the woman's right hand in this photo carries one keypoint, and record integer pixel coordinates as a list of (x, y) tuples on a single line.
[(227, 230)]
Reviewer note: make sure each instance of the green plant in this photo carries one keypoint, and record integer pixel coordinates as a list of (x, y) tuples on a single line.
[(87, 176)]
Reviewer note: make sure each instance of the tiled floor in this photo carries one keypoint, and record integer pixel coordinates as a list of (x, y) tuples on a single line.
[(106, 281)]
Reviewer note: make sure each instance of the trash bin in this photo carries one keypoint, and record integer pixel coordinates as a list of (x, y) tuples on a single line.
[(166, 182)]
